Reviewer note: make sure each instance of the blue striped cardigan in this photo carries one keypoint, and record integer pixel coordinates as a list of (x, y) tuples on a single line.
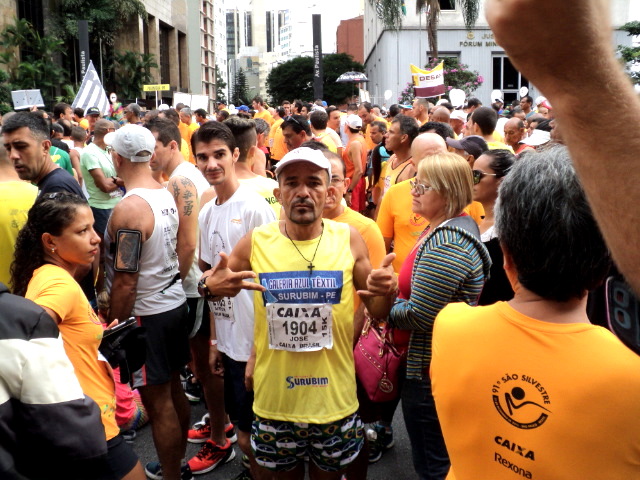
[(451, 266)]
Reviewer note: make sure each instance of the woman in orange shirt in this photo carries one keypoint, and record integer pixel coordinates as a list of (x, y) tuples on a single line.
[(57, 239)]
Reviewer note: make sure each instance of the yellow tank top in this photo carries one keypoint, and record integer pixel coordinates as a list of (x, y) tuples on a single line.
[(304, 326), (328, 141)]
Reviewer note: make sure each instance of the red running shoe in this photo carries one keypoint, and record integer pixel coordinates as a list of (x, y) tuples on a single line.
[(210, 456)]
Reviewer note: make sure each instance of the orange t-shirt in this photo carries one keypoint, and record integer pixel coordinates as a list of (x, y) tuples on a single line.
[(397, 220), (519, 397), (186, 131), (265, 115), (370, 233), (278, 148), (53, 287), (363, 156)]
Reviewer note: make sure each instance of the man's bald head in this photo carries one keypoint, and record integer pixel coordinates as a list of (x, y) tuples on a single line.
[(427, 144), (102, 127), (440, 114), (513, 132), (514, 122)]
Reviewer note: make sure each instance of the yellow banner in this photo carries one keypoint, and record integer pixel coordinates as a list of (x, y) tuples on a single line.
[(156, 88)]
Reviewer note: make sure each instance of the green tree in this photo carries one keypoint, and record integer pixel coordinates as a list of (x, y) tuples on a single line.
[(334, 65), (220, 86), (106, 18), (631, 55), (28, 56), (392, 11), (294, 78), (6, 104), (240, 95), (291, 79), (132, 71)]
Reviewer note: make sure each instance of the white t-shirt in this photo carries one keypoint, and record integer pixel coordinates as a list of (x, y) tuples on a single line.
[(221, 227)]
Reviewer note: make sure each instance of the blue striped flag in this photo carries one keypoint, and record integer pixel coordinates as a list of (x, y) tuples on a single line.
[(91, 93)]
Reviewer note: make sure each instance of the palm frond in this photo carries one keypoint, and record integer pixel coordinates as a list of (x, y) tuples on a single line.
[(470, 10)]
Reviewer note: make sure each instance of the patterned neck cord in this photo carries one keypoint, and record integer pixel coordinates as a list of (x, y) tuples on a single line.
[(311, 266)]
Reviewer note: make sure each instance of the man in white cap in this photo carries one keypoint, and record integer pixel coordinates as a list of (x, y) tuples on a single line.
[(457, 119), (304, 378), (144, 282)]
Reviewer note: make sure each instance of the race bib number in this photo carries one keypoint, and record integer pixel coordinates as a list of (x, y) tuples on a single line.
[(303, 327), (223, 309)]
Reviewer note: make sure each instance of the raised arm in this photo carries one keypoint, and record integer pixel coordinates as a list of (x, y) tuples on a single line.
[(376, 287), (229, 276), (579, 82)]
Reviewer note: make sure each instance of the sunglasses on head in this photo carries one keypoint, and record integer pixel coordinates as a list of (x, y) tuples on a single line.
[(291, 118)]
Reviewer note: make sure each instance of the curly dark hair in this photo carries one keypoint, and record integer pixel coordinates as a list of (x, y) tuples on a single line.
[(52, 213)]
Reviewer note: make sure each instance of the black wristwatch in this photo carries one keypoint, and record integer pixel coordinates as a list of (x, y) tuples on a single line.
[(349, 190), (202, 287)]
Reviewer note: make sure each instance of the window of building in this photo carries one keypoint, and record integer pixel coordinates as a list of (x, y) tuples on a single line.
[(269, 32), (31, 10), (248, 34), (164, 54), (507, 78), (447, 4)]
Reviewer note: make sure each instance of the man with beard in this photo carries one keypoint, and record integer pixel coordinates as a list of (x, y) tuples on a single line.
[(305, 392)]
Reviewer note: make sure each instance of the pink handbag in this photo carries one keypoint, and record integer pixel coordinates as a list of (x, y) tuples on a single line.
[(378, 362)]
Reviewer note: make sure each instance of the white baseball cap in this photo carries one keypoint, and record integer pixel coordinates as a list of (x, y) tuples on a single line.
[(130, 140), (304, 154), (458, 115), (537, 138), (354, 121)]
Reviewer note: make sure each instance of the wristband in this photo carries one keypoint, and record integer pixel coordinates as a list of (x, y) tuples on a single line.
[(214, 343), (202, 286)]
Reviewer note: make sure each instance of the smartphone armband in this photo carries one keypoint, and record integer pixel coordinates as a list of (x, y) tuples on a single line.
[(127, 255)]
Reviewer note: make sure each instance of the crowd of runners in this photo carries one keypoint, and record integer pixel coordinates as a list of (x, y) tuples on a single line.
[(258, 245)]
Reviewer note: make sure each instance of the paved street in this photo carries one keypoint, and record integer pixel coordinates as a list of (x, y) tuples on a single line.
[(395, 464)]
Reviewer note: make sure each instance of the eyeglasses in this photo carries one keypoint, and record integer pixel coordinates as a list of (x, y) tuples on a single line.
[(478, 175), (420, 188), (337, 181)]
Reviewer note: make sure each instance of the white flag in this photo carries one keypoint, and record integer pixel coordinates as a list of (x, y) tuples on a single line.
[(91, 93)]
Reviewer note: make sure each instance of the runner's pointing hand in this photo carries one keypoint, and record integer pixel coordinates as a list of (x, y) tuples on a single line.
[(222, 282), (381, 281)]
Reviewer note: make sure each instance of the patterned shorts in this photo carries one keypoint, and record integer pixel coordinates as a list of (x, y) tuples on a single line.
[(279, 446)]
